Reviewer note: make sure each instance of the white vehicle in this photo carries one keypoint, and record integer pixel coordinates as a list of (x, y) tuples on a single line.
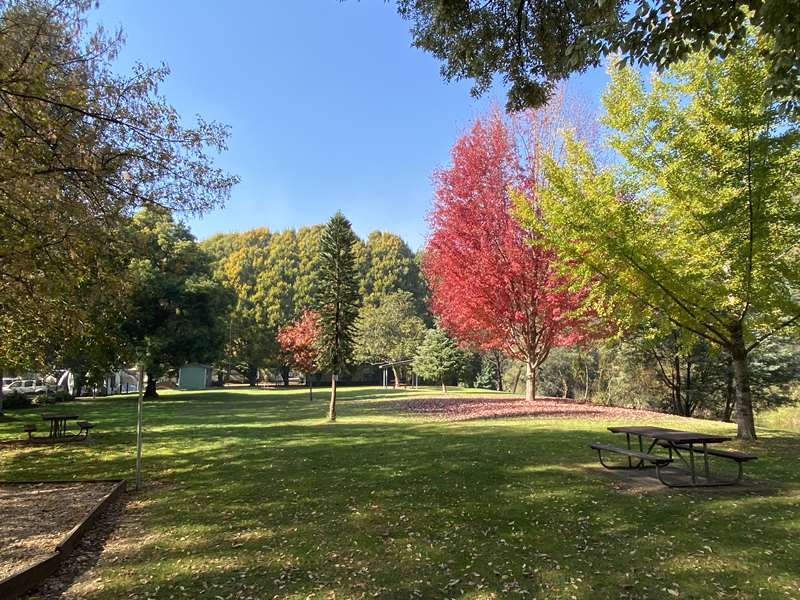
[(27, 386)]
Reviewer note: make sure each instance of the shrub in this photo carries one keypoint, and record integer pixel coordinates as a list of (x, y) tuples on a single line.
[(53, 397), (16, 400), (59, 396)]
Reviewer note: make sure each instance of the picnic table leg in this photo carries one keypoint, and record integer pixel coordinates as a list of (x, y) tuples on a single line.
[(705, 460), (691, 464), (628, 438)]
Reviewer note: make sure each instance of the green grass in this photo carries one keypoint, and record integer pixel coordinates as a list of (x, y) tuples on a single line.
[(785, 417), (254, 494)]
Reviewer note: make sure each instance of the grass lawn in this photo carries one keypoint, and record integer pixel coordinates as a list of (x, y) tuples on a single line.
[(252, 494), (785, 417)]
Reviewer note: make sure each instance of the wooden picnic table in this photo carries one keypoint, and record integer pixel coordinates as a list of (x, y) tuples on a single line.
[(58, 424), (677, 443)]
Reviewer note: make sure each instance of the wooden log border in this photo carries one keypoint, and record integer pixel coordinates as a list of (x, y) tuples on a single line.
[(18, 583)]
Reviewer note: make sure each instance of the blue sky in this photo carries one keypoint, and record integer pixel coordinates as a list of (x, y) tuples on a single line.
[(329, 105)]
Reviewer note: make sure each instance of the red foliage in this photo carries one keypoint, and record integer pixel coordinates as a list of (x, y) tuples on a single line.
[(298, 341), (490, 286)]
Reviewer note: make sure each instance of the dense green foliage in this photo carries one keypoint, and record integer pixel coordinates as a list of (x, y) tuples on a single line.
[(177, 309), (386, 265), (438, 357), (533, 45), (81, 147), (252, 494), (698, 226), (275, 276), (389, 332)]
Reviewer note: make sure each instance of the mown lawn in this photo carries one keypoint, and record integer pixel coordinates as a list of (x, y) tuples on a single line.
[(252, 494), (785, 417)]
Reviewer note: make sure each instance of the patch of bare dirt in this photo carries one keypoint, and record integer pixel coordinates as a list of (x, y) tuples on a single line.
[(113, 538), (466, 408), (35, 517)]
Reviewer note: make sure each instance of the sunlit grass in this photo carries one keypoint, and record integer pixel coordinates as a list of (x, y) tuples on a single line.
[(785, 417), (253, 493)]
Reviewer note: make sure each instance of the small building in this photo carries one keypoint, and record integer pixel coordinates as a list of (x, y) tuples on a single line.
[(194, 376)]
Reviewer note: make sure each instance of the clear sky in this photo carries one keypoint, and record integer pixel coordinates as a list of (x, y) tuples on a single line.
[(329, 105)]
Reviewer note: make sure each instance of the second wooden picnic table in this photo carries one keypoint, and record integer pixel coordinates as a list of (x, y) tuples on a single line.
[(58, 424)]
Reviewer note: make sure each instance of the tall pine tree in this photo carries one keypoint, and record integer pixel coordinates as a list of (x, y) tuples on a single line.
[(338, 299)]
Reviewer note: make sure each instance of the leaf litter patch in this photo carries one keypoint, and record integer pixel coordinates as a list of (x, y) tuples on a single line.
[(471, 407), (35, 517)]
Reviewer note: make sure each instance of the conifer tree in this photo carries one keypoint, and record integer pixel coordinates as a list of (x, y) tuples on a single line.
[(338, 299)]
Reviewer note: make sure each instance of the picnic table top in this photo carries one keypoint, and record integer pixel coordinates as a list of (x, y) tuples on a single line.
[(55, 417), (671, 435)]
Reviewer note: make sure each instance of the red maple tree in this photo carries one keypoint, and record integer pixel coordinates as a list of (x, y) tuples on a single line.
[(298, 343), (492, 285)]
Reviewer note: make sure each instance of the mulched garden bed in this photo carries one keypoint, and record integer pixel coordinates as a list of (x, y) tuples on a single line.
[(470, 407), (35, 517)]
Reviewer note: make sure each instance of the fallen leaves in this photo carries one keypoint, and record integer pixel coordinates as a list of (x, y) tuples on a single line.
[(468, 408)]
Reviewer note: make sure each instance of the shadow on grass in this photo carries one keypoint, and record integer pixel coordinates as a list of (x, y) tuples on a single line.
[(255, 494)]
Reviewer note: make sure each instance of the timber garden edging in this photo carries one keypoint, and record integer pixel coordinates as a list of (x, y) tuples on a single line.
[(19, 582)]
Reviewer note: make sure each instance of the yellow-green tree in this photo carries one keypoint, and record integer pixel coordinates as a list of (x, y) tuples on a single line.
[(389, 332), (387, 265), (82, 146), (700, 221)]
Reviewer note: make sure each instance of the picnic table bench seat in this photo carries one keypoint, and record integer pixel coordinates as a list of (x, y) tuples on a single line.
[(85, 426), (731, 454), (656, 459), (29, 428)]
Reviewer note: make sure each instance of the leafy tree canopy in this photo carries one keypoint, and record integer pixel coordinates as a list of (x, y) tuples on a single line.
[(81, 147), (438, 357), (389, 332), (387, 265), (700, 221), (177, 308), (533, 45)]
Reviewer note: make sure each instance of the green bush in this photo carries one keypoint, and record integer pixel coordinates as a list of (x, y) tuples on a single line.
[(59, 396), (53, 397), (16, 400)]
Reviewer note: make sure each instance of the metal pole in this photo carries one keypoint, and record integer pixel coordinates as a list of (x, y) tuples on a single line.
[(140, 404)]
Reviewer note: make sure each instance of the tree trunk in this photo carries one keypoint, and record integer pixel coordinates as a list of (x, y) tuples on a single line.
[(444, 387), (676, 378), (1, 393), (688, 391), (396, 378), (498, 364), (285, 375), (564, 387), (587, 382), (252, 375), (516, 380), (310, 387), (80, 381), (150, 389), (332, 408), (746, 429), (530, 382), (730, 399)]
